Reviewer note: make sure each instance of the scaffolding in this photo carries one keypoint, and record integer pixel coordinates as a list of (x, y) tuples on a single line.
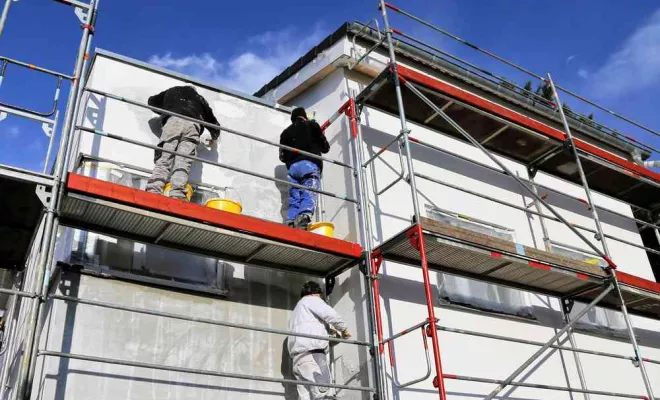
[(76, 201), (73, 200), (81, 202), (433, 246)]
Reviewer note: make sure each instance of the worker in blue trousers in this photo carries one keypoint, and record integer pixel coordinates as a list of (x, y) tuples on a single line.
[(303, 134)]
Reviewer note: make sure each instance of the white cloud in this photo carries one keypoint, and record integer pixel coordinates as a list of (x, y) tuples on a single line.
[(570, 58), (583, 73), (266, 55), (203, 66), (636, 65), (12, 133)]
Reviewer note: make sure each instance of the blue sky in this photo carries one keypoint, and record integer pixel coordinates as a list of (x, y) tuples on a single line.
[(604, 49)]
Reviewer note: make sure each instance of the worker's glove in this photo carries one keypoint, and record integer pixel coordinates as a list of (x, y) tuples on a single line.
[(206, 140), (345, 334)]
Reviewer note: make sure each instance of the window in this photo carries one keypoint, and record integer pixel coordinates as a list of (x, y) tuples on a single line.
[(466, 222), (131, 260), (475, 294)]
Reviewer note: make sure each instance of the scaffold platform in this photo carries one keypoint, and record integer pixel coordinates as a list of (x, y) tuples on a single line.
[(516, 136), (125, 212), (474, 255)]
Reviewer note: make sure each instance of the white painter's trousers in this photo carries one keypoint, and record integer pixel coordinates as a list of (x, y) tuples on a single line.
[(313, 368)]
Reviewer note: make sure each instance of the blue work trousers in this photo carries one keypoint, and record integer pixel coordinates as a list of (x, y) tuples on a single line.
[(303, 201)]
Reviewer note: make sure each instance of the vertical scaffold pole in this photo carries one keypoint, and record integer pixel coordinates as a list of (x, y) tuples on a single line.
[(569, 333), (363, 215), (23, 389), (418, 236), (601, 237), (5, 13)]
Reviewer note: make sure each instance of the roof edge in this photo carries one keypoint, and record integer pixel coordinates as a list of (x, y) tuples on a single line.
[(300, 63)]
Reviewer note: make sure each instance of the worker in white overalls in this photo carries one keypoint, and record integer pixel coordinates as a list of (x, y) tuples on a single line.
[(313, 316)]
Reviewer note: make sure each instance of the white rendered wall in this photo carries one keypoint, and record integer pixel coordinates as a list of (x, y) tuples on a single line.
[(256, 296), (402, 294)]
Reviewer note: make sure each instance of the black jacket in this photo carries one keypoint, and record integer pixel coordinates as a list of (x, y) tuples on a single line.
[(186, 101), (303, 135)]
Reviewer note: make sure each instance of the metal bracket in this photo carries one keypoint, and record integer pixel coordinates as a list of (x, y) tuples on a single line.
[(414, 240), (377, 260), (44, 194), (329, 285), (567, 305), (427, 330), (566, 147), (47, 128), (364, 268), (436, 382), (531, 172), (81, 14)]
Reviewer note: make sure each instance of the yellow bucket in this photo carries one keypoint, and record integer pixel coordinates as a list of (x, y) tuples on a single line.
[(225, 205), (322, 228), (189, 190)]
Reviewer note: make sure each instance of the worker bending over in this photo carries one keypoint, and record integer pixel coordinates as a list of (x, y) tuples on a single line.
[(303, 134), (312, 316), (181, 136)]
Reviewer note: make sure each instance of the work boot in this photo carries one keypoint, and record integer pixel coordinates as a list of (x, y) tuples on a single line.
[(302, 221), (289, 223), (183, 198)]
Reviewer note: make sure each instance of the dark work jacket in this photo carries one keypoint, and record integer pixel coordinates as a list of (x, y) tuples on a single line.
[(186, 101), (303, 135)]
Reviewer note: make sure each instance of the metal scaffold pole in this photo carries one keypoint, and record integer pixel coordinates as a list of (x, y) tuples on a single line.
[(22, 391), (583, 177), (418, 237), (363, 215), (612, 266), (5, 13), (601, 237), (547, 345), (547, 243)]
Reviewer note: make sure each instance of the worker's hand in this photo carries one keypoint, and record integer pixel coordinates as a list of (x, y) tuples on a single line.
[(345, 334), (206, 139)]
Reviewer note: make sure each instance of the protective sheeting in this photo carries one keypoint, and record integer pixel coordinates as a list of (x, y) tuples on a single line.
[(94, 331), (484, 296)]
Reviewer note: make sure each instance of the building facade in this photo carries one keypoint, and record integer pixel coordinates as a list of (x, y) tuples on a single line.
[(153, 262)]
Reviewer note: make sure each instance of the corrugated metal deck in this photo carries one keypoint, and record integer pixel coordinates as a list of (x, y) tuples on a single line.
[(478, 256), (122, 211)]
